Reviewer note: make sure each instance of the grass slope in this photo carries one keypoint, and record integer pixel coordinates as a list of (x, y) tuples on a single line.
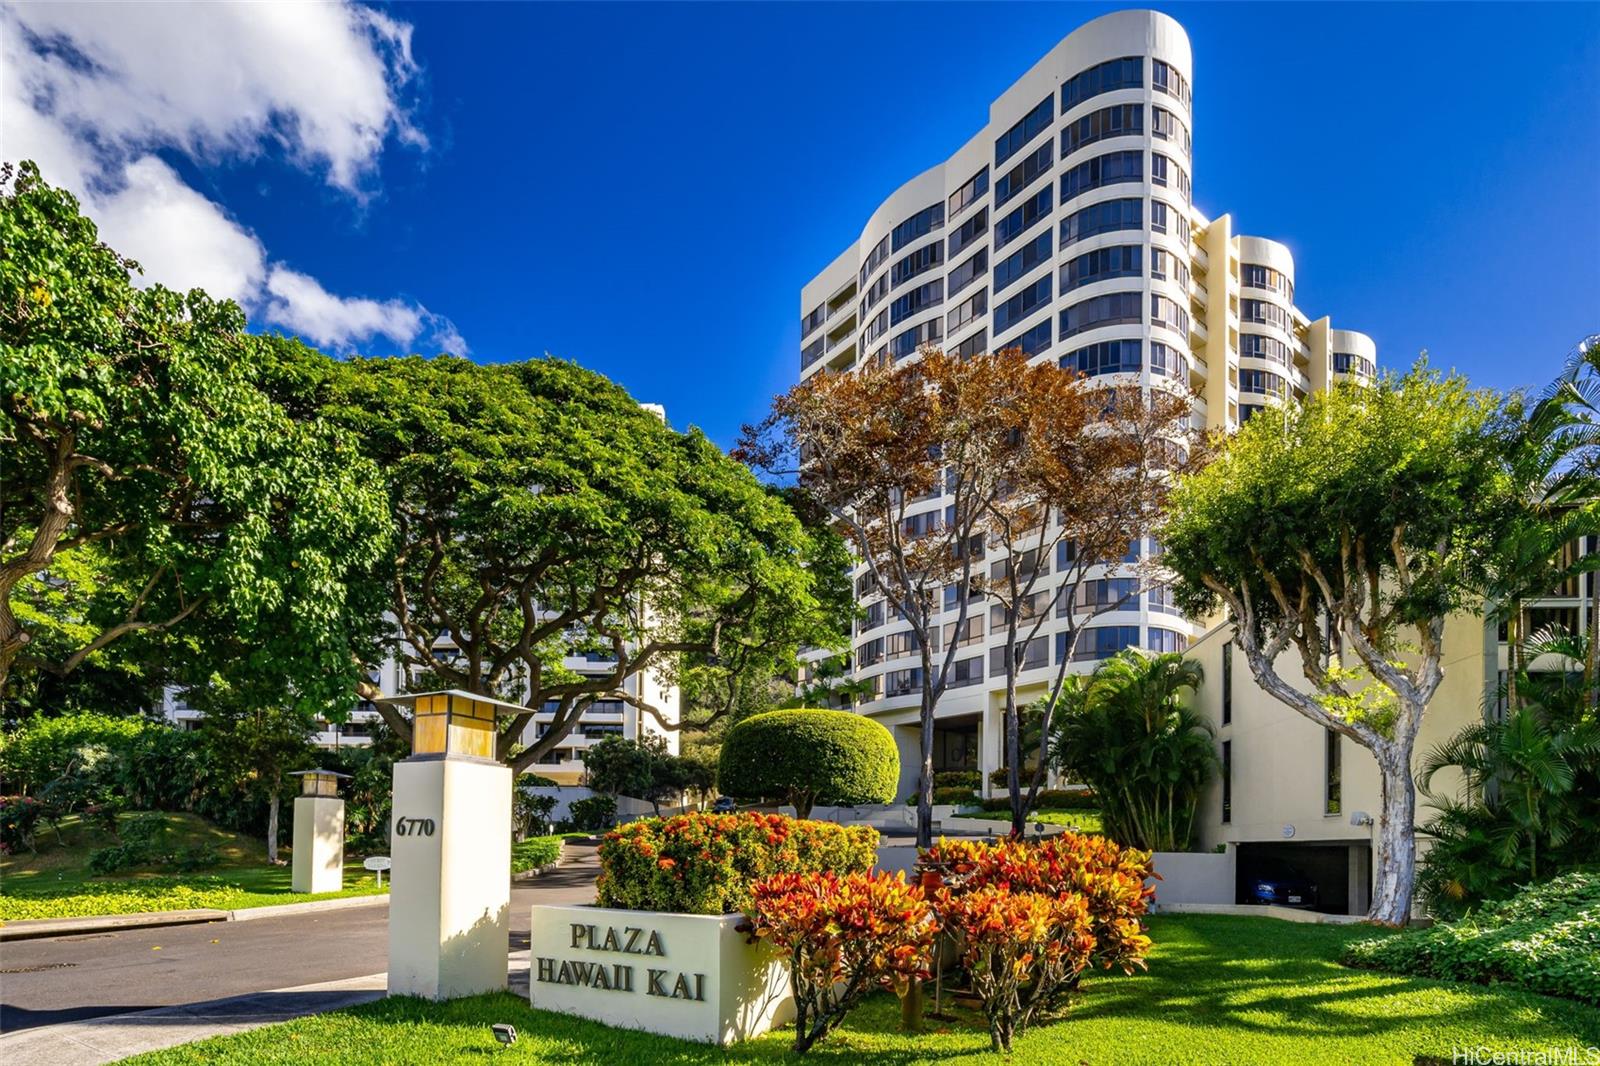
[(56, 882), (1220, 989)]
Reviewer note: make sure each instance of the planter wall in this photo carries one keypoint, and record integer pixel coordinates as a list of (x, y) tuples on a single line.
[(685, 975), (1195, 877)]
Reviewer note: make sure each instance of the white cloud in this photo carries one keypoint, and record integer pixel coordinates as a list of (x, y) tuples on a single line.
[(92, 91)]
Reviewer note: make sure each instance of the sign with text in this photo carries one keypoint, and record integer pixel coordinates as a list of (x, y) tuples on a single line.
[(685, 975)]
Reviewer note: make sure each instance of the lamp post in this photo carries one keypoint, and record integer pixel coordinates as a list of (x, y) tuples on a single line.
[(450, 843), (318, 833)]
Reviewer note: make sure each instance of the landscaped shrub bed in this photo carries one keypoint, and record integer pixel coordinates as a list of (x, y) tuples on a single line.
[(956, 794), (1546, 939), (705, 863), (535, 852), (1056, 799), (971, 780)]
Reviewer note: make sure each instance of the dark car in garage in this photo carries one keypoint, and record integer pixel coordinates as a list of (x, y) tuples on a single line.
[(1281, 884)]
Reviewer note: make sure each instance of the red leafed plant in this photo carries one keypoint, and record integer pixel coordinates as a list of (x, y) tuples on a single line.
[(844, 936), (1020, 950), (1109, 878)]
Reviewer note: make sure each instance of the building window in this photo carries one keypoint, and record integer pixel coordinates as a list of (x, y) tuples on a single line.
[(1164, 171), (967, 311), (1018, 263), (1264, 382), (1334, 779), (870, 653), (902, 682), (1257, 346), (964, 672), (1118, 261), (875, 258), (1227, 781), (813, 320), (1119, 121), (969, 193), (1346, 363), (1107, 357), (1124, 73), (918, 299), (1017, 137), (1013, 225), (920, 224), (1160, 600), (919, 261), (1102, 170), (1113, 308), (915, 337), (1166, 266), (811, 353), (1028, 300), (1169, 127), (1031, 341), (1169, 313), (1165, 78), (972, 628), (1255, 276), (1168, 361), (964, 273), (1227, 682), (1034, 655), (969, 231), (1167, 219), (1102, 218), (972, 346), (1024, 173), (1264, 311), (1100, 642), (1166, 640)]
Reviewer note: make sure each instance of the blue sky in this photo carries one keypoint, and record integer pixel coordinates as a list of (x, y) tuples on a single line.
[(644, 189)]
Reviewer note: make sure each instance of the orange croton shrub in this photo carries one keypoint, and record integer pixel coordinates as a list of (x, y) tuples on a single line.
[(1110, 878), (1020, 949), (843, 936)]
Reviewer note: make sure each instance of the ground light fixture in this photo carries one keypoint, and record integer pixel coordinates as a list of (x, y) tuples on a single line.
[(319, 782), (504, 1033)]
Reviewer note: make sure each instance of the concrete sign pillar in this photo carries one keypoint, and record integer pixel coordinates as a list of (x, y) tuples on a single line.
[(450, 846), (318, 833)]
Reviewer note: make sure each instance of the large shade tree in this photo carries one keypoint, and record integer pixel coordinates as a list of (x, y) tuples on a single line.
[(1346, 528), (542, 514), (150, 485)]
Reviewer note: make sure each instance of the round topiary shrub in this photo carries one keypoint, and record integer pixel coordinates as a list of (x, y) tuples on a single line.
[(809, 757)]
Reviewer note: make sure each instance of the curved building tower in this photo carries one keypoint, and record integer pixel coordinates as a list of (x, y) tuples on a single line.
[(1066, 227)]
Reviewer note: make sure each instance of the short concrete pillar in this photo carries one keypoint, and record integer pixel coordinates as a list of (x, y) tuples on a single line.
[(450, 844), (318, 844)]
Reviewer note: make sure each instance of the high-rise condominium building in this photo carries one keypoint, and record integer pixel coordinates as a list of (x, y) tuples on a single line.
[(1066, 227)]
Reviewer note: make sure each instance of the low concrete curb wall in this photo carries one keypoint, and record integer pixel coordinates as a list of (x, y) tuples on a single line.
[(39, 928), (1288, 914)]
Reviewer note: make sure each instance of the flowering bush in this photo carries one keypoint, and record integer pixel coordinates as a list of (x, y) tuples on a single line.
[(1109, 878), (19, 816), (705, 863), (843, 936), (1020, 950)]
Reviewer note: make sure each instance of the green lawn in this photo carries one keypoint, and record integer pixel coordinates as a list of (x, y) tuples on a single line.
[(1086, 821), (56, 882), (1220, 989)]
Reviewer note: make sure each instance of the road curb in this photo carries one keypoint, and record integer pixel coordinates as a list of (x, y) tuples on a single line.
[(40, 928)]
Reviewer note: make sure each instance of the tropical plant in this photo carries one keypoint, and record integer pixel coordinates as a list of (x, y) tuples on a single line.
[(1348, 527), (705, 863), (592, 813), (643, 769), (1021, 950), (1128, 733), (1526, 803), (842, 937), (810, 757)]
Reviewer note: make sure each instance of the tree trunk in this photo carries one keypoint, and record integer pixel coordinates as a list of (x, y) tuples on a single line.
[(1395, 860), (1591, 665), (272, 826), (925, 785), (1014, 747)]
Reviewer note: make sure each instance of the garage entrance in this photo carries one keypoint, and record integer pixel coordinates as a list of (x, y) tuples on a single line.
[(1341, 872)]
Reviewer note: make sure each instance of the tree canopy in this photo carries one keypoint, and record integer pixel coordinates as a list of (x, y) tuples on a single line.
[(151, 484), (541, 514)]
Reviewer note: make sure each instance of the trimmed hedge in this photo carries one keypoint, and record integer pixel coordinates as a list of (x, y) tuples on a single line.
[(1546, 939), (968, 779), (809, 757), (706, 863), (961, 797), (535, 852), (1053, 799)]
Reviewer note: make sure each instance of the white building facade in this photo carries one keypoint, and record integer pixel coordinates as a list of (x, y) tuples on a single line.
[(1066, 228)]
